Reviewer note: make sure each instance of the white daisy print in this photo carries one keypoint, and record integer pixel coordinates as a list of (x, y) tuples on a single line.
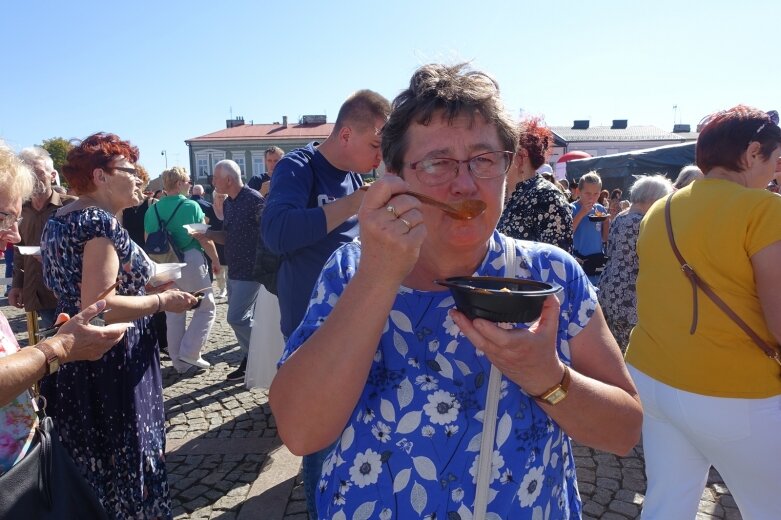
[(427, 431), (531, 486), (450, 326), (433, 345), (386, 514), (381, 431), (442, 408), (366, 468), (457, 495), (368, 416), (497, 463), (427, 382), (451, 429)]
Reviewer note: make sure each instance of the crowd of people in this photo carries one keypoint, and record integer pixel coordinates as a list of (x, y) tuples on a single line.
[(376, 378)]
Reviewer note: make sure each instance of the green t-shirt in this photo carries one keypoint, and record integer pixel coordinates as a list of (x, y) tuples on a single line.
[(188, 213)]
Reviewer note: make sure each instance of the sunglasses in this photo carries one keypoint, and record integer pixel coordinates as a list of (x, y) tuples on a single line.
[(773, 115), (131, 171)]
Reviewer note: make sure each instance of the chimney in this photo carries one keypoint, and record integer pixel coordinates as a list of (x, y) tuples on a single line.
[(619, 124), (232, 123), (580, 124), (284, 121)]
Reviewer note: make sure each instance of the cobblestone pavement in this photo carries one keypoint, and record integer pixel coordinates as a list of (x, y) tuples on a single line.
[(226, 462)]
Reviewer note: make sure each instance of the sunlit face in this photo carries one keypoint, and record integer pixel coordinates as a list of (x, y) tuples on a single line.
[(364, 148), (590, 193), (44, 175), (220, 181), (457, 140), (122, 186), (271, 160), (11, 206)]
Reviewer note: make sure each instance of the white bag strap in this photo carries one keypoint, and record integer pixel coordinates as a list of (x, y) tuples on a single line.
[(491, 406)]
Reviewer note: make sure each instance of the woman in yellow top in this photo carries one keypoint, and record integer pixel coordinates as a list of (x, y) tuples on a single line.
[(712, 397)]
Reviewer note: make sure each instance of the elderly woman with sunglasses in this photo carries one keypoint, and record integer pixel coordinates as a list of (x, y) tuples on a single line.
[(711, 394), (20, 369), (110, 411), (385, 365)]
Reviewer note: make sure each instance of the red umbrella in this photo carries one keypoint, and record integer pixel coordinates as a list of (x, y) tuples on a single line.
[(570, 156)]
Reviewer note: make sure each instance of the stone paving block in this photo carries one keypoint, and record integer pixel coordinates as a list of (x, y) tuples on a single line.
[(613, 472), (195, 504), (586, 475), (625, 508), (602, 496), (295, 507), (608, 483), (594, 509), (610, 515), (193, 492), (631, 497), (711, 508), (731, 513)]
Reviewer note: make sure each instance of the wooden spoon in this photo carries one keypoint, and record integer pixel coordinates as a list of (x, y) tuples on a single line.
[(461, 210)]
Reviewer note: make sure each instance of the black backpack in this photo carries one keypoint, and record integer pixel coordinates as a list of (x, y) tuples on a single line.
[(160, 245)]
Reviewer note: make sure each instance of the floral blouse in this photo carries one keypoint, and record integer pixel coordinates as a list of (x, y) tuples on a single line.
[(410, 448), (617, 291), (538, 211), (17, 419)]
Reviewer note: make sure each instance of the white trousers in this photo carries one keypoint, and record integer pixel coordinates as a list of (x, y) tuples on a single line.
[(684, 434), (266, 342), (187, 341)]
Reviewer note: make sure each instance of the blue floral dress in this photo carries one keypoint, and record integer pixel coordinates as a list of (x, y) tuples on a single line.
[(109, 412), (411, 446)]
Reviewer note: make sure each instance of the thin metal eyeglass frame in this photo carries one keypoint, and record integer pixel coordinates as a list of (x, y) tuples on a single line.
[(7, 220), (454, 171)]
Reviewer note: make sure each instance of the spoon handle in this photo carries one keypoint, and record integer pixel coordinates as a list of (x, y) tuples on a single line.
[(425, 199)]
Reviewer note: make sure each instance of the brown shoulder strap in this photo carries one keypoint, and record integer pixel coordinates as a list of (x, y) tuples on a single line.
[(696, 282)]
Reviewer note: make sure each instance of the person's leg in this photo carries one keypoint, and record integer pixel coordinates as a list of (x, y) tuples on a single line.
[(195, 277), (241, 307), (675, 469), (740, 437), (221, 281), (175, 322)]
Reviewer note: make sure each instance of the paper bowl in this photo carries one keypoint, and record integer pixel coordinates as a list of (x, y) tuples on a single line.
[(498, 299), (166, 273), (29, 250), (199, 227), (597, 218)]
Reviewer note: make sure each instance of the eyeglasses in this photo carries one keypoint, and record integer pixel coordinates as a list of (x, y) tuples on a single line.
[(131, 171), (773, 115), (440, 170), (8, 220)]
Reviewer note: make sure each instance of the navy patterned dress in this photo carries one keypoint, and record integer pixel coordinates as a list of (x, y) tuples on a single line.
[(109, 413)]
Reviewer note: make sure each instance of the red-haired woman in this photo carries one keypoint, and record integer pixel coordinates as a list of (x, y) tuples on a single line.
[(110, 412), (711, 396), (536, 209)]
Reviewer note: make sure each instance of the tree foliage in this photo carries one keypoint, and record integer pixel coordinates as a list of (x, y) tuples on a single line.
[(58, 148)]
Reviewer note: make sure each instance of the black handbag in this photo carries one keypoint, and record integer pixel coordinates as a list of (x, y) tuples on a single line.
[(46, 484), (593, 265)]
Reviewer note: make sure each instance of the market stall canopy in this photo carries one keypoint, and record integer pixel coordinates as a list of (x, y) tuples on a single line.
[(617, 170)]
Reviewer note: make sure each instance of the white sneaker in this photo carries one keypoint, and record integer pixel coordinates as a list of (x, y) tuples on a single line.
[(200, 362), (223, 294)]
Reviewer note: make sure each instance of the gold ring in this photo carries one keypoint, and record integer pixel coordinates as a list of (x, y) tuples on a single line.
[(391, 209), (406, 224)]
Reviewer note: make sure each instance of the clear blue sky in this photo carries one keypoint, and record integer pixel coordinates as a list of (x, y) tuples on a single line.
[(160, 72)]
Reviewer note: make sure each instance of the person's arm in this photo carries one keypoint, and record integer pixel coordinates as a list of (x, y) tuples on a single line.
[(218, 201), (557, 226), (216, 237), (76, 340), (211, 251), (102, 265), (288, 223), (601, 409), (321, 366), (766, 263)]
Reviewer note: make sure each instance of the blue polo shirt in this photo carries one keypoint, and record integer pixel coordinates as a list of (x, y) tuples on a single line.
[(242, 232)]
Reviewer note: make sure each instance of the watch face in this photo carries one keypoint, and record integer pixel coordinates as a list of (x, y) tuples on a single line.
[(556, 396)]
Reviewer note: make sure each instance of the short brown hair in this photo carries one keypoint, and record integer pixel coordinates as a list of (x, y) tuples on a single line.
[(453, 90), (726, 135), (361, 109), (96, 151)]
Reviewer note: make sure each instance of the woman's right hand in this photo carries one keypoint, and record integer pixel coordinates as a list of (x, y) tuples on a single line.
[(174, 300), (401, 231), (80, 341)]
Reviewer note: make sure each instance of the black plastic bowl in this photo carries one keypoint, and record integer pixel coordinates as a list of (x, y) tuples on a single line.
[(597, 218), (499, 299)]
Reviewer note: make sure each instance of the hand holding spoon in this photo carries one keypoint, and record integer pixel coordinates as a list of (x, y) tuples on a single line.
[(461, 210)]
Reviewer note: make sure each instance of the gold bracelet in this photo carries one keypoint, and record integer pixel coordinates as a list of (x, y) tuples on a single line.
[(159, 303)]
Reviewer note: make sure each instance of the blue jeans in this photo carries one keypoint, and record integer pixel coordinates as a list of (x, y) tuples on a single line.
[(312, 470), (241, 309)]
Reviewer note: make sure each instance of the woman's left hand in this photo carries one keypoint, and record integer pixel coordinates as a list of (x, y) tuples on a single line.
[(526, 356)]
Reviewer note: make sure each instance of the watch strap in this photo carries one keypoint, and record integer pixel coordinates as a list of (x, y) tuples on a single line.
[(563, 386), (52, 361)]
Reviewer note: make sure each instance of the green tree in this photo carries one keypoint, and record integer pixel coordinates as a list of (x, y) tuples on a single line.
[(58, 148)]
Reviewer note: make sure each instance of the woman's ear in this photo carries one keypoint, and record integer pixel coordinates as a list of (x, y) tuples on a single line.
[(753, 153), (98, 176)]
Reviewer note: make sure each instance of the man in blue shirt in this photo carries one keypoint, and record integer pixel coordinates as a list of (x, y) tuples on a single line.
[(240, 234), (262, 181), (311, 211)]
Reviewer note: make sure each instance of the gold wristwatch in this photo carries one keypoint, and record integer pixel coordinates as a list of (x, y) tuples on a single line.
[(556, 394), (52, 361)]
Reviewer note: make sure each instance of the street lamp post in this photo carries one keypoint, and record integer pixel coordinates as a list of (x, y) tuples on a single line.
[(165, 153)]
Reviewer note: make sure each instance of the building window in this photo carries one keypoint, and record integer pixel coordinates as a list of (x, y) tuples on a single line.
[(216, 157), (202, 166), (258, 165), (240, 162)]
